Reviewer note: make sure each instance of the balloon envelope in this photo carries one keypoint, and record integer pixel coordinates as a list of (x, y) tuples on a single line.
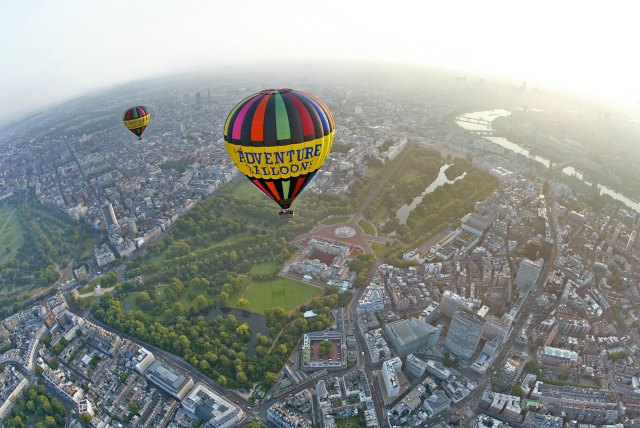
[(279, 138), (136, 120)]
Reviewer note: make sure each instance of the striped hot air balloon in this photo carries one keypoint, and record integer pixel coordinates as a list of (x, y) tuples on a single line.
[(136, 120), (278, 139)]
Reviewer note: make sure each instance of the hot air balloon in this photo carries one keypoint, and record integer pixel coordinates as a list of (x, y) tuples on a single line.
[(136, 120), (278, 139)]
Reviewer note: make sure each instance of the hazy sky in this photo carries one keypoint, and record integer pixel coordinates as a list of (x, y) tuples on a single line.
[(52, 50)]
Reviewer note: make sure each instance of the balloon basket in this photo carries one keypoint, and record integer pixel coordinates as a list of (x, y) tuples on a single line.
[(286, 214)]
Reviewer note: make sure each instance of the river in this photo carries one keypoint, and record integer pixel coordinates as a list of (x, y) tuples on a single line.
[(257, 323), (491, 115), (403, 213)]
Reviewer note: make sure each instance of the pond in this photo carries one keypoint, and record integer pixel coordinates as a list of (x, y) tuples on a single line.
[(403, 213), (257, 323)]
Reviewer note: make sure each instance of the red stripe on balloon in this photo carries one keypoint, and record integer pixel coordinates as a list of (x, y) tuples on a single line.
[(257, 126), (272, 187), (303, 113), (261, 187), (298, 186)]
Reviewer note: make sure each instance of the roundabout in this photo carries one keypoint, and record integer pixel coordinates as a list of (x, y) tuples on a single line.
[(345, 232)]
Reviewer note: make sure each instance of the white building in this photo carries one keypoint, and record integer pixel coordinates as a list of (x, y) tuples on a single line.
[(528, 274), (143, 360), (390, 369), (372, 300), (205, 404)]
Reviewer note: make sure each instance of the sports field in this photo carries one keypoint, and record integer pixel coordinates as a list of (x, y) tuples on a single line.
[(11, 237), (280, 292)]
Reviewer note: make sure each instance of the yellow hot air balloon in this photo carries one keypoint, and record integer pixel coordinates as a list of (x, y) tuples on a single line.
[(278, 139)]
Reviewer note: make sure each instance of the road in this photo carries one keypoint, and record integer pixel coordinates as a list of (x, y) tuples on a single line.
[(196, 374), (537, 290), (362, 347)]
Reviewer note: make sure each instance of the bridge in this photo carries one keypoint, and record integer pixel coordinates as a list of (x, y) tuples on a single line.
[(481, 133), (558, 166), (473, 120)]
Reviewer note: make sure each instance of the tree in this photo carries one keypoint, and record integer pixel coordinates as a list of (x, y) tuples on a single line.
[(224, 298), (222, 380), (133, 407), (243, 302), (143, 299), (517, 390), (241, 377), (270, 377), (325, 347), (86, 418), (243, 330), (200, 302)]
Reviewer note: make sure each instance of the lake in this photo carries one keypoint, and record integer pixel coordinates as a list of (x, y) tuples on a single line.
[(403, 213)]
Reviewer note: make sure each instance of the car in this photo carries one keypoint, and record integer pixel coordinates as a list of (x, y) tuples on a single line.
[(236, 401)]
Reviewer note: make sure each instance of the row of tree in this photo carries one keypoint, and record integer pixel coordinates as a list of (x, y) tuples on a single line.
[(36, 408)]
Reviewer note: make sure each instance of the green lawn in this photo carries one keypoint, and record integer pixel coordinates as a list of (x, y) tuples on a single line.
[(11, 234), (87, 122), (351, 422), (248, 190), (381, 213), (367, 227), (281, 292), (380, 250), (373, 172), (336, 220), (264, 268)]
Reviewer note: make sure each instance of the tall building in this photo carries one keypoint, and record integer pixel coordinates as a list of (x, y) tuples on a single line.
[(528, 274), (415, 366), (408, 336), (390, 369), (450, 302), (167, 378), (110, 220), (205, 404), (436, 403), (464, 333)]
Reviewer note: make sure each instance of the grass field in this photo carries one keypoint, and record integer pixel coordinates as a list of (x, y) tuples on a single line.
[(380, 250), (336, 220), (373, 172), (87, 122), (11, 236), (367, 227), (281, 292), (351, 422), (247, 190), (264, 268)]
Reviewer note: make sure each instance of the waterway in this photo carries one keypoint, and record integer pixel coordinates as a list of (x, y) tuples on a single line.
[(403, 213), (257, 323), (491, 115)]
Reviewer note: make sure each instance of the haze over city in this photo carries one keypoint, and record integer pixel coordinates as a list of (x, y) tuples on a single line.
[(342, 214), (56, 50)]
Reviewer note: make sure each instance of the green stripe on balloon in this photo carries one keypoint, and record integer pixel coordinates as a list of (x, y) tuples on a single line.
[(282, 119), (285, 189)]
